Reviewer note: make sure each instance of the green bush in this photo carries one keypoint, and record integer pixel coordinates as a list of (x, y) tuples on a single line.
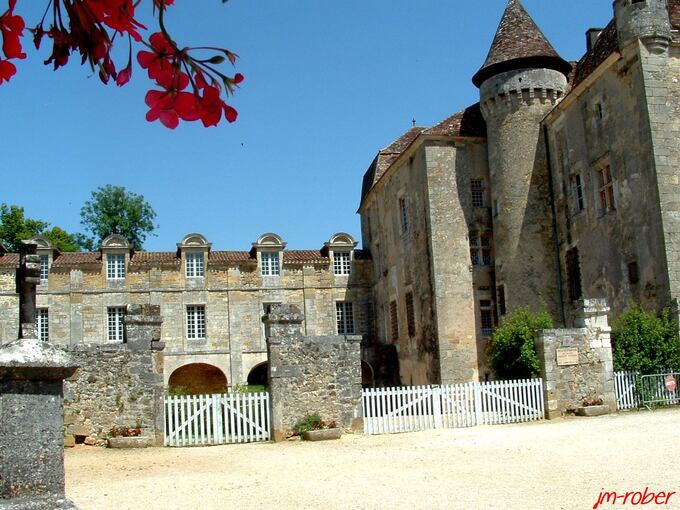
[(644, 342), (511, 352)]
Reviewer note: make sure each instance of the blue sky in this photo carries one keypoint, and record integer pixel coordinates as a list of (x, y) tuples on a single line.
[(327, 85)]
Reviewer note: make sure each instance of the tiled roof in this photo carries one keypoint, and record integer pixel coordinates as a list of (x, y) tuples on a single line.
[(518, 43), (230, 256), (606, 44), (469, 122), (302, 256), (674, 13), (77, 259), (9, 260), (155, 257)]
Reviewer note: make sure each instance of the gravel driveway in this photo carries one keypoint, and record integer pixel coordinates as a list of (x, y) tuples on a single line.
[(561, 464)]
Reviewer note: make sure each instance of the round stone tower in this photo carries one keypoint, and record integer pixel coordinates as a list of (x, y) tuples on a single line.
[(644, 19), (520, 82)]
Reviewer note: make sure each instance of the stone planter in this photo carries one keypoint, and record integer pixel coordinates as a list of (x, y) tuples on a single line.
[(322, 435), (592, 410), (129, 442)]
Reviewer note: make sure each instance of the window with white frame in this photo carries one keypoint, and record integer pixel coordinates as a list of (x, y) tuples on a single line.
[(605, 189), (403, 215), (115, 266), (44, 268), (115, 324), (270, 263), (195, 266), (43, 324), (196, 322), (477, 190), (342, 262), (344, 313)]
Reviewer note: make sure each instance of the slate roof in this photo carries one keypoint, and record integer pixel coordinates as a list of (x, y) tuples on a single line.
[(519, 43)]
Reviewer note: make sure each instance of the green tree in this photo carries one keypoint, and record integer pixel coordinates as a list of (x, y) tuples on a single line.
[(511, 352), (113, 210), (15, 226), (644, 342)]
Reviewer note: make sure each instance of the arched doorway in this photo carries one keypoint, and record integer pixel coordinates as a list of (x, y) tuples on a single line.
[(257, 377), (197, 379), (367, 380)]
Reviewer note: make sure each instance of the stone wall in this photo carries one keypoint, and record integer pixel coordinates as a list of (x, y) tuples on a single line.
[(576, 364), (311, 374), (118, 385)]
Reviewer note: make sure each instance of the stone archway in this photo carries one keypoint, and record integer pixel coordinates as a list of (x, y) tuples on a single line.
[(197, 379), (367, 376), (258, 375)]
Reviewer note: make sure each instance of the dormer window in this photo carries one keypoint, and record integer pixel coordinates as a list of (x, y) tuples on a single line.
[(342, 262), (268, 250), (270, 263), (44, 268), (195, 267), (115, 266)]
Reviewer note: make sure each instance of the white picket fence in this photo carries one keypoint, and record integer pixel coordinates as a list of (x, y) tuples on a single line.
[(217, 419), (409, 409), (626, 392)]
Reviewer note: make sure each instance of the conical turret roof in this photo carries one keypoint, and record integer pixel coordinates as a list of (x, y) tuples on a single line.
[(519, 44)]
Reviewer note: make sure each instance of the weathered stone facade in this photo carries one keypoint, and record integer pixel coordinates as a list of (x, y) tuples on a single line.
[(211, 310), (311, 374), (571, 177), (576, 364)]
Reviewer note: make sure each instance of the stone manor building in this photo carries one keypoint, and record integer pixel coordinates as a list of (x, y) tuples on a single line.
[(561, 183)]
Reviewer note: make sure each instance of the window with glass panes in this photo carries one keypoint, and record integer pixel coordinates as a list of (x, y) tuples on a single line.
[(270, 263), (486, 316), (577, 193), (194, 265), (342, 262), (44, 267), (606, 189), (115, 331), (43, 324), (344, 314), (481, 248), (196, 322), (403, 214), (477, 190), (115, 266)]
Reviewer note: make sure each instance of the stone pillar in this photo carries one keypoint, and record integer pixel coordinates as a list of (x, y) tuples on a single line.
[(143, 333), (577, 364), (311, 374), (31, 408)]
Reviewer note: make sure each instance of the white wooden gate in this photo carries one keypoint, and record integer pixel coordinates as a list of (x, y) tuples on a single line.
[(408, 409), (216, 419)]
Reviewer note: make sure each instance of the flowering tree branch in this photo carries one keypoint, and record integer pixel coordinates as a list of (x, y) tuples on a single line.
[(191, 87)]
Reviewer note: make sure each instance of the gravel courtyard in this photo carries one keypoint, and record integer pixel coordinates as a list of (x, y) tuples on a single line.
[(563, 464)]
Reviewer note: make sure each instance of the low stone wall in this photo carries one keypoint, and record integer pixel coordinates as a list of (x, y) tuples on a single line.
[(311, 375), (576, 364), (118, 385)]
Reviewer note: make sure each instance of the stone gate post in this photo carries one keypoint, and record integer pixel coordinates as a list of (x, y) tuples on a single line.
[(311, 374), (32, 374)]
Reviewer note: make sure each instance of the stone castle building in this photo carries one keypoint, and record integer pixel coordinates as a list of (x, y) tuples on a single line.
[(561, 183)]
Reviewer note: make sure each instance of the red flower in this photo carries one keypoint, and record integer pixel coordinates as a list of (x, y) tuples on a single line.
[(12, 27), (117, 14), (160, 60), (7, 70)]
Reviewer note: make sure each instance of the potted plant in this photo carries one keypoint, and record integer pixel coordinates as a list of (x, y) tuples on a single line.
[(128, 437), (592, 407), (313, 428)]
